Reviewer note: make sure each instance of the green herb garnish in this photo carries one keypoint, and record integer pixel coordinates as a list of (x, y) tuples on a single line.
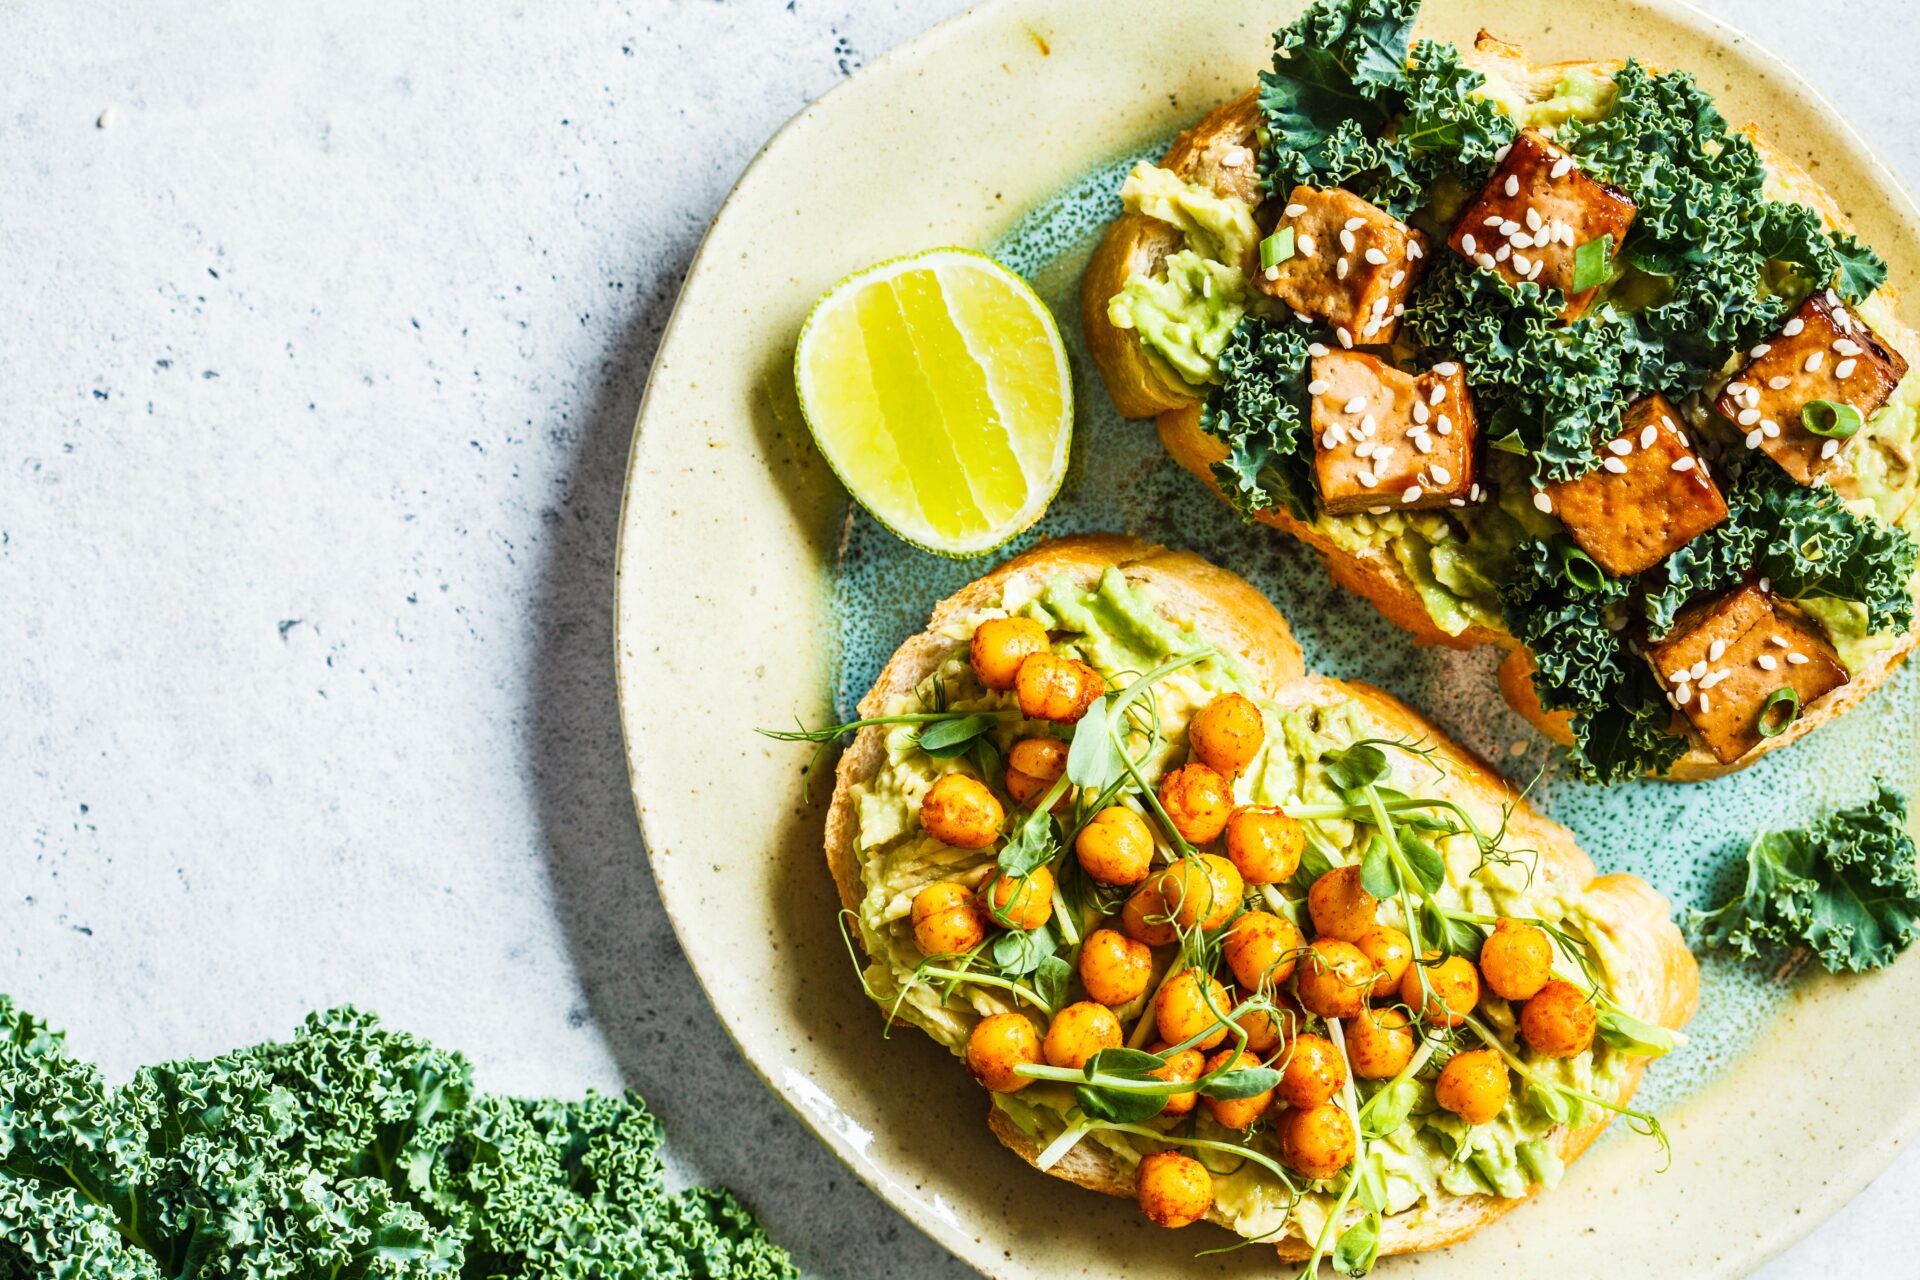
[(1831, 418), (1276, 248), (1770, 725), (1592, 264)]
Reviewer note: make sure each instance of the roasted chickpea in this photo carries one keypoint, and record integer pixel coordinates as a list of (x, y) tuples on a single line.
[(1198, 801), (1559, 1021), (1116, 846), (1516, 960), (1262, 948), (1078, 1032), (960, 811), (1114, 968), (1264, 844), (1389, 952), (1379, 1043), (1020, 902), (1333, 978), (1173, 1190), (997, 1045), (1146, 919), (1340, 905), (1473, 1085), (1201, 892), (1236, 1113), (1455, 986), (1000, 645), (1056, 688), (947, 919), (1317, 1141), (1314, 1071), (1182, 1009), (1265, 1033), (1033, 765), (1227, 733), (1183, 1066)]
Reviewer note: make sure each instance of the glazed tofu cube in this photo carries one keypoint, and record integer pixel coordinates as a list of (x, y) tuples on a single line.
[(1353, 265), (1535, 213), (1824, 352), (1650, 495), (1385, 440), (1726, 657)]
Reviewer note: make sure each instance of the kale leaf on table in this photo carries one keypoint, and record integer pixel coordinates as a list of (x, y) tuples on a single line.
[(349, 1151), (1846, 887)]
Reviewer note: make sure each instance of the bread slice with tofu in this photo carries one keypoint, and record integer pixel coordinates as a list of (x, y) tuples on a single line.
[(1628, 516)]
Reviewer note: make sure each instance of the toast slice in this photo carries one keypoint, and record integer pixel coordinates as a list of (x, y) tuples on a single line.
[(1657, 978), (1140, 389)]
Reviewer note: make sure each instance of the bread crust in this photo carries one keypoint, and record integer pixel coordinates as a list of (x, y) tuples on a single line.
[(1661, 982), (1378, 577)]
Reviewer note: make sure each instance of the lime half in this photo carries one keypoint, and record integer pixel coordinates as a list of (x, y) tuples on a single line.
[(937, 387)]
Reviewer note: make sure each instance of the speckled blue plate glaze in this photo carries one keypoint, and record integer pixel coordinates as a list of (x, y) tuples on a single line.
[(1686, 840)]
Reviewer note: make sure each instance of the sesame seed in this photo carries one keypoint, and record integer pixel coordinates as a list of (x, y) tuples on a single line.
[(1347, 241), (1378, 511), (1533, 218), (1513, 186), (1561, 168), (1467, 243), (1354, 405), (1441, 475), (1303, 317), (1509, 228), (1828, 449), (1317, 349), (1412, 494), (1376, 257), (1438, 393), (1475, 493), (1792, 327), (1393, 282), (1305, 245), (1456, 502), (1833, 299), (1346, 339), (1539, 265), (1779, 642), (1504, 252), (1492, 220), (1698, 669), (1341, 268), (1381, 452), (1769, 428), (1444, 426), (1329, 440), (1420, 411), (1414, 250), (1648, 434), (1814, 362), (1364, 449), (1779, 383), (1372, 327), (1354, 224), (1706, 704), (1716, 651), (1677, 677), (1273, 272), (1503, 152), (1446, 368), (1846, 347), (1737, 389), (1844, 369), (1421, 441), (1753, 438), (1797, 659), (1713, 678), (1766, 584), (1616, 466), (1542, 502), (1318, 387), (1766, 661), (1622, 446), (1760, 350), (1682, 464), (1683, 695), (1487, 260), (1295, 210), (1366, 479), (1367, 425), (1521, 263), (1748, 417)]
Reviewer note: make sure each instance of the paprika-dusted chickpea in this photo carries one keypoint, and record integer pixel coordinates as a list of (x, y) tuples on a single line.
[(1236, 1113), (947, 919), (1265, 1033), (1333, 978), (1033, 765), (1078, 1032), (1312, 1073), (1000, 645), (1184, 1066), (1173, 1190), (1473, 1085), (1389, 952), (1114, 968), (997, 1045), (1116, 846), (1516, 960), (1020, 902), (1055, 688), (1201, 892), (960, 811), (1182, 1009), (1340, 905), (1379, 1043), (1455, 986), (1318, 1141), (1559, 1021), (1262, 948), (1198, 801), (1145, 917), (1227, 733), (1264, 844)]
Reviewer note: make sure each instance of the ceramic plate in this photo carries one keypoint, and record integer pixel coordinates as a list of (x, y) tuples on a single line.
[(750, 594)]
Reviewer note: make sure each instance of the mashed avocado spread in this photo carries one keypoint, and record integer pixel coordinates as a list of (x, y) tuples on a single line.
[(1116, 628)]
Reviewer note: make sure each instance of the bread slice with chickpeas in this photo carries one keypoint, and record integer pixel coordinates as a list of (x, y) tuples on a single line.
[(1198, 937), (1629, 515)]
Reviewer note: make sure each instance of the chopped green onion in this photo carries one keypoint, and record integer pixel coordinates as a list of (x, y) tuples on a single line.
[(1831, 418), (1581, 568), (1592, 263), (1768, 724), (1276, 248)]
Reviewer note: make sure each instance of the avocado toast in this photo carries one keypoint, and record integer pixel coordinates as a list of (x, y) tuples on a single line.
[(991, 902), (1672, 410)]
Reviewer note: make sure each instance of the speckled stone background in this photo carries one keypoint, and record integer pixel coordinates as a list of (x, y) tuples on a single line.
[(322, 331)]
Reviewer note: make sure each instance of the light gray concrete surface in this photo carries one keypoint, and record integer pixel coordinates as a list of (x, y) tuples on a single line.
[(322, 330)]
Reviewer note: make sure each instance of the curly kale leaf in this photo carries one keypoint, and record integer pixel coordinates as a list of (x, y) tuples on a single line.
[(1621, 721), (1443, 122), (1860, 270), (1259, 412), (1846, 887), (1342, 62)]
